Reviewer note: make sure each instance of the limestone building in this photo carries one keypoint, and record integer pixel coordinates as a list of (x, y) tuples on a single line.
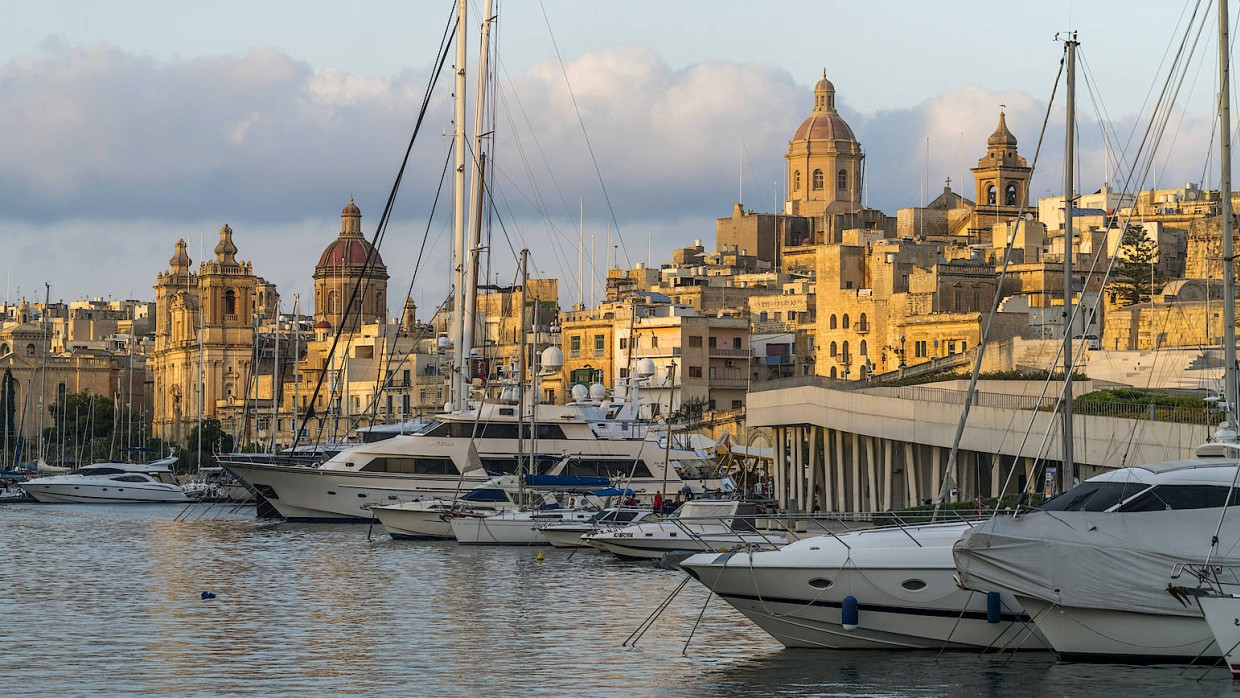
[(350, 271)]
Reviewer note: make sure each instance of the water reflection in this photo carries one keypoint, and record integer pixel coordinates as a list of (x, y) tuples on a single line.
[(106, 599)]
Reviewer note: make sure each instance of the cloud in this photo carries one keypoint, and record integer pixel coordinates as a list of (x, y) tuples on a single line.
[(111, 151)]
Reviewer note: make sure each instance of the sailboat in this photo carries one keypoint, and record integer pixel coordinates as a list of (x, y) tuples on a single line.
[(1100, 567)]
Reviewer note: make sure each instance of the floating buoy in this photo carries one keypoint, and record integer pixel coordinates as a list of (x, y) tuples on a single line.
[(994, 607), (850, 614), (540, 559), (207, 595)]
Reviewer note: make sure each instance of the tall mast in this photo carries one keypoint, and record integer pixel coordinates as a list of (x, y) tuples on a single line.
[(47, 351), (275, 385), (1068, 476), (1225, 212), (525, 260), (476, 197), (296, 360), (458, 392)]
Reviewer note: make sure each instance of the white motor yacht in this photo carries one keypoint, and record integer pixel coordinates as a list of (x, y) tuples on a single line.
[(465, 448), (432, 519), (1096, 567), (513, 527), (110, 483), (702, 525), (900, 580), (577, 535)]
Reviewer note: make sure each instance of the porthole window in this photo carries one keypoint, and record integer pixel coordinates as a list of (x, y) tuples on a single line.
[(913, 584), (821, 583)]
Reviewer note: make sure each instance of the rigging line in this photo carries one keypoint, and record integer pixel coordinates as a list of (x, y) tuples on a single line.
[(538, 202), (994, 307), (443, 175), (586, 134), (445, 47), (1163, 61)]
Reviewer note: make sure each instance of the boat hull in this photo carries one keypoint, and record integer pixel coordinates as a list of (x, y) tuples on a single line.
[(486, 530), (304, 494), (1222, 614), (791, 605), (114, 493), (1108, 636)]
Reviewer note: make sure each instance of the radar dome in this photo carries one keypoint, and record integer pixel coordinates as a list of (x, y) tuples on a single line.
[(598, 392), (552, 358), (580, 393), (645, 368), (443, 342)]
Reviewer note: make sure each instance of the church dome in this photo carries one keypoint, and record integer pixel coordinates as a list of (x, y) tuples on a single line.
[(824, 127), (322, 325), (348, 251), (1002, 137), (824, 123)]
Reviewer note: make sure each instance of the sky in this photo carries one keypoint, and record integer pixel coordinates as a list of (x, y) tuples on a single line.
[(128, 125)]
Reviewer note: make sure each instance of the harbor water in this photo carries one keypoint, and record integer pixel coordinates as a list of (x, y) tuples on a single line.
[(108, 600)]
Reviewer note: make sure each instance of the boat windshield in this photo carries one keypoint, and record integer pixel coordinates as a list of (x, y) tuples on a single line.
[(101, 471), (1093, 496), (1175, 497), (487, 495)]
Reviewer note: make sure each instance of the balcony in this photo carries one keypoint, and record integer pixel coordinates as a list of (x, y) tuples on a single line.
[(729, 383), (862, 328), (730, 353), (653, 351)]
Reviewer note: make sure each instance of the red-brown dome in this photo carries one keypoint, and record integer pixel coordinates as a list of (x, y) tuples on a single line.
[(322, 325), (351, 209), (824, 127), (350, 252)]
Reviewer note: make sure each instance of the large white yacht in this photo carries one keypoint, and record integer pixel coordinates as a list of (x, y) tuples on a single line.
[(1096, 567), (110, 483), (900, 580), (462, 449)]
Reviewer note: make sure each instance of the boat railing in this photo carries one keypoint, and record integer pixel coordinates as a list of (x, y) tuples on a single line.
[(777, 530)]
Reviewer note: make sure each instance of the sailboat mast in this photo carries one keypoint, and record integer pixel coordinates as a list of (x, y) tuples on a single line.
[(1068, 476), (458, 392), (478, 173), (1229, 265)]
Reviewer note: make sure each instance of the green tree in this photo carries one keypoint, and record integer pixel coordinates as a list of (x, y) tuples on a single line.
[(1136, 276), (204, 442)]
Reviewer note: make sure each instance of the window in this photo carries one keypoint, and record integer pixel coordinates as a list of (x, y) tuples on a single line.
[(862, 324), (990, 195), (654, 340), (841, 179), (737, 404), (844, 323), (919, 349), (817, 180), (333, 302), (695, 341), (1094, 496), (834, 373), (951, 347), (796, 181), (574, 345), (599, 341), (736, 342), (712, 342), (963, 346), (833, 322), (713, 373), (695, 371), (834, 349), (29, 350), (624, 342), (1009, 195), (844, 350), (863, 349), (1173, 497)]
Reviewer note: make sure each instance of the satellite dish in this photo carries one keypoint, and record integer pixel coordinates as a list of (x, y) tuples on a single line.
[(580, 393), (645, 368), (598, 392), (443, 342)]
